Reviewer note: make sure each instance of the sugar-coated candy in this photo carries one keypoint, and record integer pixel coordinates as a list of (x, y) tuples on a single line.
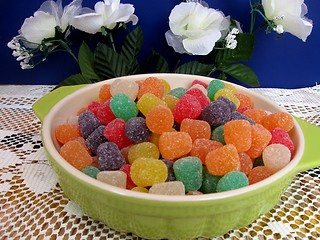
[(151, 85), (242, 109), (147, 102), (91, 171), (209, 181), (218, 134), (104, 113), (276, 156), (140, 189), (154, 138), (76, 154), (231, 104), (159, 119), (230, 87), (232, 180), (196, 81), (124, 151), (115, 132), (238, 133), (67, 132), (258, 174), (169, 164), (194, 193), (168, 188), (196, 128), (256, 114), (83, 142), (109, 157), (173, 145), (280, 136), (88, 122), (246, 163), (93, 107), (202, 146), (114, 178), (216, 113), (260, 139), (239, 116), (95, 162), (146, 172), (95, 139), (166, 87), (227, 93), (136, 130), (129, 88), (123, 107), (126, 169), (188, 170), (170, 101), (202, 98), (245, 100), (73, 120), (178, 92), (104, 92), (201, 88), (187, 107), (144, 149), (223, 160), (278, 120), (213, 87)]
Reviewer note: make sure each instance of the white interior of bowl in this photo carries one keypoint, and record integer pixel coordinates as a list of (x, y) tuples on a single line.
[(70, 105)]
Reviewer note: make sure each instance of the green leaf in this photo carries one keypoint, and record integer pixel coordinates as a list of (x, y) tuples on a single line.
[(195, 68), (131, 48), (243, 51), (74, 80), (241, 72), (108, 63), (86, 62), (160, 62)]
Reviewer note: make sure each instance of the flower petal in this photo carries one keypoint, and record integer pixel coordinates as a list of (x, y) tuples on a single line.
[(90, 22), (202, 45), (298, 27), (40, 26), (175, 41), (178, 18), (69, 12)]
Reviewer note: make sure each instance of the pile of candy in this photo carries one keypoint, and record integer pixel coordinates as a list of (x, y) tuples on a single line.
[(145, 136)]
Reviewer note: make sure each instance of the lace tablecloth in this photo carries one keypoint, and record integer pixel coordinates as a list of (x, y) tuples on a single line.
[(33, 206)]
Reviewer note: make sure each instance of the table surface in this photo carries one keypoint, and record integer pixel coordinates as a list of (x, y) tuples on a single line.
[(33, 206)]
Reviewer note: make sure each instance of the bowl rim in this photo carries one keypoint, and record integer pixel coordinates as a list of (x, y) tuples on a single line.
[(50, 148)]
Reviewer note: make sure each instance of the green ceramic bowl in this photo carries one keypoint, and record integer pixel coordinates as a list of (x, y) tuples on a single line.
[(170, 217)]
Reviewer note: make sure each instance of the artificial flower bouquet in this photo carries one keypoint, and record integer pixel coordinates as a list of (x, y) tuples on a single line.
[(213, 43)]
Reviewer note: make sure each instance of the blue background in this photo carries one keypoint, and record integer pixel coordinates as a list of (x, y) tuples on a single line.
[(286, 63)]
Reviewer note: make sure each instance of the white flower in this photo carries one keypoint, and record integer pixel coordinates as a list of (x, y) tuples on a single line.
[(105, 14), (194, 28), (290, 14), (50, 15)]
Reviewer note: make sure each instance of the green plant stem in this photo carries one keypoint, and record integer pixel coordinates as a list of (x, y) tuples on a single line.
[(212, 70), (112, 41), (253, 17), (66, 46)]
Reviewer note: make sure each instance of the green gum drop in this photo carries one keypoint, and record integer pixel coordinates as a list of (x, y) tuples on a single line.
[(188, 170), (232, 180), (123, 107), (209, 182)]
